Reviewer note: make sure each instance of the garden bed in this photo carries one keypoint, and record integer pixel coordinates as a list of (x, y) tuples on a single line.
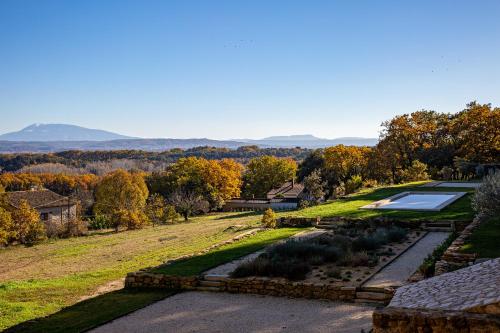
[(346, 257)]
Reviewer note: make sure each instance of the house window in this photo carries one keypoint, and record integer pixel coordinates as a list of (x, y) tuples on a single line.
[(44, 216)]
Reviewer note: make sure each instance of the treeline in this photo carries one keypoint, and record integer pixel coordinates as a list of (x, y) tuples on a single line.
[(416, 146), (88, 161)]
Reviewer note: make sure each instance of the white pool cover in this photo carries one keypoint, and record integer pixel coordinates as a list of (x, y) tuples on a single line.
[(421, 201)]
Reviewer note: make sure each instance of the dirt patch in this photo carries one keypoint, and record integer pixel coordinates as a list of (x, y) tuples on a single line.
[(107, 288)]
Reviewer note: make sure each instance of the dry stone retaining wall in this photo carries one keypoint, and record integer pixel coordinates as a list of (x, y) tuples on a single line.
[(453, 258), (253, 285)]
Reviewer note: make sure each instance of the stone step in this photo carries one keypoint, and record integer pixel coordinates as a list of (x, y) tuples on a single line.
[(208, 288), (214, 277), (369, 301), (372, 296), (438, 229), (208, 283), (439, 224), (325, 226)]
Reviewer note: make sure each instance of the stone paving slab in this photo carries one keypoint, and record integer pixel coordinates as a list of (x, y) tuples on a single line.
[(467, 288), (397, 273), (222, 312)]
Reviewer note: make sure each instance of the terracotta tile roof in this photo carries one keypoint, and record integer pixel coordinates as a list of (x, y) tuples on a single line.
[(288, 190), (37, 198)]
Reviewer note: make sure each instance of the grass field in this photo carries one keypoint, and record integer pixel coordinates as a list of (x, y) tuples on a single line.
[(40, 280), (349, 207), (485, 240)]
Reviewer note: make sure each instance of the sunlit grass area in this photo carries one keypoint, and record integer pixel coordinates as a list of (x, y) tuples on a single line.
[(40, 280), (485, 241), (350, 206), (198, 264)]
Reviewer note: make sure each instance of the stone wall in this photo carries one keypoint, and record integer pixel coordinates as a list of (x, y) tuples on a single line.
[(396, 320), (453, 258), (282, 287), (251, 285), (292, 221), (160, 281)]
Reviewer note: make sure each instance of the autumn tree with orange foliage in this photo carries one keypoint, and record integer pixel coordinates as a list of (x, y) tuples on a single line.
[(264, 173), (341, 163), (216, 181), (121, 196)]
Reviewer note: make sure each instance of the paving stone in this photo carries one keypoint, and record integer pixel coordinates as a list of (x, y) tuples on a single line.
[(463, 289)]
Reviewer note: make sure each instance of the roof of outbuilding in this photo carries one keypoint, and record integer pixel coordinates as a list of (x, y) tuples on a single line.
[(37, 198), (288, 190)]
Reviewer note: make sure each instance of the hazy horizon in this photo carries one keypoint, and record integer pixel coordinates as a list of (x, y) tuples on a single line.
[(231, 70)]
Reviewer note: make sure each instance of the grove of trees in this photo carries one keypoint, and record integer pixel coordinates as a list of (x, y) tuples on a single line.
[(131, 189)]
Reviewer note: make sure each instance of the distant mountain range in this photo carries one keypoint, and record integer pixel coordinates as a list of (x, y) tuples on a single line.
[(44, 138), (310, 141), (60, 132)]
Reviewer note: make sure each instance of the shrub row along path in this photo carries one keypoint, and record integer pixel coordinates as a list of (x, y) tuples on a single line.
[(223, 312), (228, 268), (397, 272)]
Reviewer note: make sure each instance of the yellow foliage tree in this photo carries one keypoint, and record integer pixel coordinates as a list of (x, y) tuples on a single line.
[(122, 196), (5, 226), (343, 162), (27, 227), (265, 173), (269, 219)]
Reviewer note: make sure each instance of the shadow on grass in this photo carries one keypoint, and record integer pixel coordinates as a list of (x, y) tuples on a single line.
[(242, 214), (93, 312), (198, 264)]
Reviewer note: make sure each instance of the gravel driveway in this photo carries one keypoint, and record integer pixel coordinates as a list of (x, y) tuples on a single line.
[(223, 312)]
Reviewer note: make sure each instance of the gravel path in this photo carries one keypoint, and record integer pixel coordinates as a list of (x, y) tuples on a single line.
[(223, 312), (398, 272)]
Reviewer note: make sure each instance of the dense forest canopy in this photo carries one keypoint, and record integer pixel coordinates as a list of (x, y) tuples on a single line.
[(156, 160)]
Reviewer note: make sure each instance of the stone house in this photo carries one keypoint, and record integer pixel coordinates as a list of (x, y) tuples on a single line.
[(54, 209), (286, 197)]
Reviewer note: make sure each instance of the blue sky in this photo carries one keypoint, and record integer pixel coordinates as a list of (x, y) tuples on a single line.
[(243, 69)]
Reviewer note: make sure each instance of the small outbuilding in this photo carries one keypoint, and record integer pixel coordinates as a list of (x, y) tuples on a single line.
[(53, 208), (286, 197)]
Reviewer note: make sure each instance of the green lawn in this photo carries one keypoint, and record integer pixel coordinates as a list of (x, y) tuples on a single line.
[(93, 312), (485, 241), (198, 264), (41, 280), (349, 207)]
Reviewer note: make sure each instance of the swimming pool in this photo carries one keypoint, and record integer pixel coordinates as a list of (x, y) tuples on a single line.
[(419, 201)]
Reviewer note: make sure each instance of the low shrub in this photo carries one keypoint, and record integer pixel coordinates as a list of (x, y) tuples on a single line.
[(99, 222), (396, 234), (353, 184), (269, 219), (370, 183), (359, 259), (365, 243), (334, 272), (427, 268), (342, 242), (273, 267)]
